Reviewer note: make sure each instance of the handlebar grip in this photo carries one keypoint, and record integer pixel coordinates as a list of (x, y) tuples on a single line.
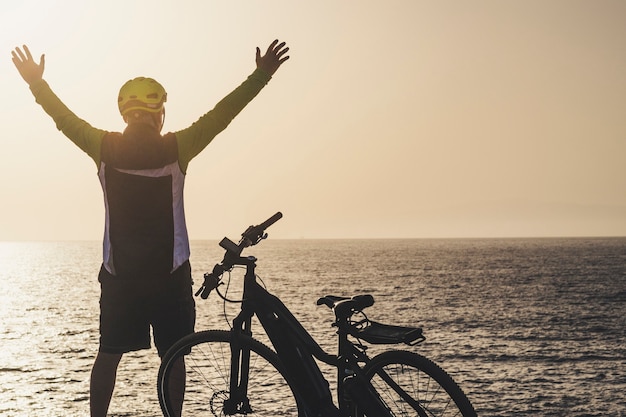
[(267, 223)]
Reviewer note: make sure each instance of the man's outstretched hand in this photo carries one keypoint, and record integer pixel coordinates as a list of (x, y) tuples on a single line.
[(273, 58), (26, 65)]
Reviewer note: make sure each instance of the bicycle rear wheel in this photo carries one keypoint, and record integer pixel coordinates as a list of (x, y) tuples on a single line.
[(412, 385), (207, 367)]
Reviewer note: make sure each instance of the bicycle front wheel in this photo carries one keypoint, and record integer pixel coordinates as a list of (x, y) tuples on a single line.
[(412, 385), (206, 379)]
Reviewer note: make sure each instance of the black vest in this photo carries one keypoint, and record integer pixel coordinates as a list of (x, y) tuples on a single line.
[(143, 185)]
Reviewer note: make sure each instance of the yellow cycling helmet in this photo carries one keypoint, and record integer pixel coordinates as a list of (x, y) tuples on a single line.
[(141, 93)]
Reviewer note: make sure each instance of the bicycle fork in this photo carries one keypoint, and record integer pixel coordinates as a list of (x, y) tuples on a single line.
[(238, 401)]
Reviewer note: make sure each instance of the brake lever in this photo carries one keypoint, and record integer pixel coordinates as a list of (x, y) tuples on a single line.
[(251, 236), (255, 234)]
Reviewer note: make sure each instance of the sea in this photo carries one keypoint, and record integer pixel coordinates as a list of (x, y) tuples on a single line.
[(527, 327)]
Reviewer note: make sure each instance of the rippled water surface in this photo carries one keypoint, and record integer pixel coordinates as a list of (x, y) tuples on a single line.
[(527, 327)]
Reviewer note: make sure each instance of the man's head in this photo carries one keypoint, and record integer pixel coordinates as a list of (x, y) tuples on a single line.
[(142, 98)]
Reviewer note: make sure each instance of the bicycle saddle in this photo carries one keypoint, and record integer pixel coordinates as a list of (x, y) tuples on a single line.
[(344, 307)]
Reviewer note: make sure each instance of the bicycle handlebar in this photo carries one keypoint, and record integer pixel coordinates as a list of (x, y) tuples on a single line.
[(250, 237)]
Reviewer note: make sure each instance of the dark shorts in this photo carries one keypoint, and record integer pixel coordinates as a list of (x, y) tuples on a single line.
[(129, 308)]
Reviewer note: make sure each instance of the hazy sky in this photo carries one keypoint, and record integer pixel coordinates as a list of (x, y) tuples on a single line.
[(391, 119)]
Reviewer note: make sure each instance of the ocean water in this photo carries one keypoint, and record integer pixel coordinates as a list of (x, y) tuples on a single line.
[(527, 327)]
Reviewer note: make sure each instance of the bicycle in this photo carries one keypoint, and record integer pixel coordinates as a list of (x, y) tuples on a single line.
[(228, 372)]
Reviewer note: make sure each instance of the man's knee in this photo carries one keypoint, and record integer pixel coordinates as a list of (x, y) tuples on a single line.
[(107, 361)]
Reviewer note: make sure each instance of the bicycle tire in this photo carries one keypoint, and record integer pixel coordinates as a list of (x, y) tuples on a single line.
[(207, 359), (431, 391)]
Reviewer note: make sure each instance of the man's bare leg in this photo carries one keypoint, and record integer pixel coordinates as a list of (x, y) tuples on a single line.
[(177, 385), (103, 376)]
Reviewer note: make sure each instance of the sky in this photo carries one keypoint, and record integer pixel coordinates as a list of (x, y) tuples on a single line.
[(395, 119)]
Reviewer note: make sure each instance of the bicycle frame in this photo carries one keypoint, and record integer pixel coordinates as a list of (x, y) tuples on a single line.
[(291, 341), (296, 349)]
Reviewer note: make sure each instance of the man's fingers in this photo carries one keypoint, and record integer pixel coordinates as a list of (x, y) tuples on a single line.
[(23, 56), (272, 45), (28, 54), (18, 54), (283, 52), (278, 49)]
